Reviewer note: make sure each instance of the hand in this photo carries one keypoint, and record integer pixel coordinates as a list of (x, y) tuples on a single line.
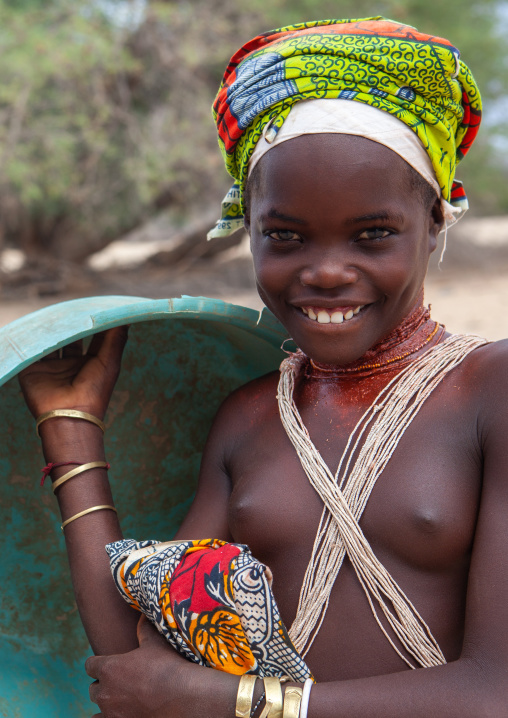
[(76, 381), (153, 681)]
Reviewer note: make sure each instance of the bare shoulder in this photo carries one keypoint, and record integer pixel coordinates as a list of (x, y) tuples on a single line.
[(486, 371), (240, 416), (249, 403), (236, 418), (488, 367)]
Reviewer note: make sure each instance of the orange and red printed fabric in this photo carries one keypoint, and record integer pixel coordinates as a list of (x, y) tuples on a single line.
[(211, 600)]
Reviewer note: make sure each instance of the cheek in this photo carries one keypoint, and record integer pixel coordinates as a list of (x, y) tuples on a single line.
[(404, 278), (274, 279), (272, 274), (410, 261), (399, 279), (267, 285)]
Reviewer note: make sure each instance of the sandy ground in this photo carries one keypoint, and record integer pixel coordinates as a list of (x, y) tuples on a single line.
[(473, 302)]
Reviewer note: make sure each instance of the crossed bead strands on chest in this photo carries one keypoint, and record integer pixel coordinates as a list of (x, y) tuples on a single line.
[(345, 496)]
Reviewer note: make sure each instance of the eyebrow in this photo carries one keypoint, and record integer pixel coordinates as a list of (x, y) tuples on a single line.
[(383, 216), (376, 216), (275, 214)]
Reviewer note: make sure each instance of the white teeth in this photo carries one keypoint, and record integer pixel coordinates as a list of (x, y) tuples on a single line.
[(323, 317)]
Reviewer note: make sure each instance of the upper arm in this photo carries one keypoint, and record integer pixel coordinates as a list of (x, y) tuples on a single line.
[(486, 637), (208, 514)]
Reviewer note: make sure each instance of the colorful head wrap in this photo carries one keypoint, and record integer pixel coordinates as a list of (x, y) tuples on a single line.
[(418, 78)]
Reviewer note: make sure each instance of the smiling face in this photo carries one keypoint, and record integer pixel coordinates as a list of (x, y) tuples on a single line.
[(340, 240)]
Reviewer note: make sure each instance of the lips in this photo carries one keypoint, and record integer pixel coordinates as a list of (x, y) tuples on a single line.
[(335, 315)]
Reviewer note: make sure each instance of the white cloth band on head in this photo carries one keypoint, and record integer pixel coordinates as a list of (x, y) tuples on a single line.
[(347, 117)]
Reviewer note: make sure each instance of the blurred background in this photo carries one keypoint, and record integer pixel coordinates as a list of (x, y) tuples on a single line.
[(110, 173)]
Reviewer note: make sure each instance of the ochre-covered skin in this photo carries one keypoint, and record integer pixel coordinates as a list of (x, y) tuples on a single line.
[(334, 224)]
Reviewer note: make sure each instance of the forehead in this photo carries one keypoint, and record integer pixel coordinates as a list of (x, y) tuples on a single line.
[(345, 167)]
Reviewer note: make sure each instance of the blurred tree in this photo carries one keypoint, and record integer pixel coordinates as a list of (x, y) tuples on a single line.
[(60, 111), (103, 123)]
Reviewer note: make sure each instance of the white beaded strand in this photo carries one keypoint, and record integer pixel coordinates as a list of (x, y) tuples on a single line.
[(345, 496)]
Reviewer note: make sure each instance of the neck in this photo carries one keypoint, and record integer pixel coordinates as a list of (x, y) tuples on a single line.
[(415, 333)]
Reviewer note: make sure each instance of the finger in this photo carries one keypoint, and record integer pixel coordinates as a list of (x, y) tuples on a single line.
[(53, 355), (93, 690), (109, 346), (95, 344), (74, 349), (148, 634), (110, 353), (93, 666)]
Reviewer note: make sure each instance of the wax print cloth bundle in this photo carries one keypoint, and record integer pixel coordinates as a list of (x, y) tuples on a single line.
[(211, 600), (415, 77)]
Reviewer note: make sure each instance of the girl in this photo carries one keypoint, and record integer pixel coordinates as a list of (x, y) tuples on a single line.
[(343, 138)]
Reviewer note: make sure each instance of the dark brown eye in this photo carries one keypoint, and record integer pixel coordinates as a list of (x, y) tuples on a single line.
[(374, 233), (284, 235)]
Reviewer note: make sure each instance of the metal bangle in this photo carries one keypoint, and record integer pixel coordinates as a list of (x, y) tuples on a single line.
[(244, 695), (274, 704), (292, 702), (71, 414), (79, 470), (88, 511)]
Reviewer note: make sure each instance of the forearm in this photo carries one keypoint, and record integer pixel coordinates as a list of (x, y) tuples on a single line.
[(110, 624), (456, 690)]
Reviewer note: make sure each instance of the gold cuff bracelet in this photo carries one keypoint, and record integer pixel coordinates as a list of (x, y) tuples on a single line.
[(244, 696), (273, 690), (71, 414), (292, 702)]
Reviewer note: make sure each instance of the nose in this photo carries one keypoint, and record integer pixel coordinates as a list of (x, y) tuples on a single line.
[(329, 269)]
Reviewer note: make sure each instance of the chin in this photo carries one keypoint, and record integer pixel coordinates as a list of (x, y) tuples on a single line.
[(337, 351), (340, 357)]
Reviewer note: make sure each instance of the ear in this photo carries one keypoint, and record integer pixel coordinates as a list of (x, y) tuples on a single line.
[(436, 223)]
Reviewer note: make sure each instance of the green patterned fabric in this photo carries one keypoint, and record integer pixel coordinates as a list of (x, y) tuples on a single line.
[(418, 78)]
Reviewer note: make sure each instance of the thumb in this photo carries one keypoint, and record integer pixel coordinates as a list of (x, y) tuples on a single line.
[(148, 634)]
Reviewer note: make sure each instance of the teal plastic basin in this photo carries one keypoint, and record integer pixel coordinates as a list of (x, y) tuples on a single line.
[(183, 357)]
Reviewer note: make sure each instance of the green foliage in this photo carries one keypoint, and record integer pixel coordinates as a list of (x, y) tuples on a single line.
[(101, 125), (59, 111)]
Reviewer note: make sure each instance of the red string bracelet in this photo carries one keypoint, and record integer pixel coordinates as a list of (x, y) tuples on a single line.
[(49, 468)]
